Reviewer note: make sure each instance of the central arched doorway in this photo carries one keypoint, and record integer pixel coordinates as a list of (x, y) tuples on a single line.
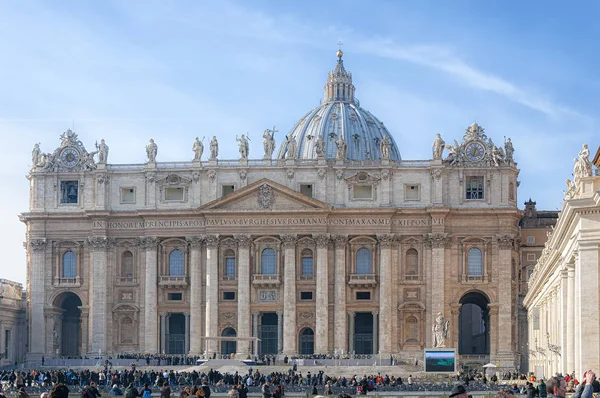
[(176, 336), (70, 330), (228, 347), (307, 341), (363, 333), (268, 333), (474, 325)]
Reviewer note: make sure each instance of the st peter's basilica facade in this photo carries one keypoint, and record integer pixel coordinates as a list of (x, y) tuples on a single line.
[(333, 244)]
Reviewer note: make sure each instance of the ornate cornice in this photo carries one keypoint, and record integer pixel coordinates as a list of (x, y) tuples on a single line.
[(37, 244), (195, 241), (386, 240), (289, 241), (322, 240), (212, 241), (243, 240)]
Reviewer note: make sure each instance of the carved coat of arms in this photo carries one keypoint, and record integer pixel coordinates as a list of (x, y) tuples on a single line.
[(266, 197)]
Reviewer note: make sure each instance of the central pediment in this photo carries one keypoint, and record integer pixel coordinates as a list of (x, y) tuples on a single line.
[(266, 196)]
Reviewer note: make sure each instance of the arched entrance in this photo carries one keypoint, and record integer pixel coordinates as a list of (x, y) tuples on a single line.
[(307, 341), (473, 321), (228, 347), (70, 328), (363, 333)]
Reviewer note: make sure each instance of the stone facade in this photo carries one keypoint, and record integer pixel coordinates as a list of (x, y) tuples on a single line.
[(13, 332), (562, 298), (315, 254)]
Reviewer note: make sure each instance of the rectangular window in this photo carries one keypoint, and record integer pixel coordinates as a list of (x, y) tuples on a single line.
[(228, 296), (363, 295), (174, 194), (306, 295), (531, 240), (128, 195), (307, 267), (227, 189), (474, 188), (230, 266), (175, 296), (412, 192), (69, 192), (306, 190), (362, 192), (530, 256)]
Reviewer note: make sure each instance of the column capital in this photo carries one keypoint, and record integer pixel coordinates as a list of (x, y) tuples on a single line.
[(37, 244), (195, 241), (340, 241), (386, 240), (243, 240), (163, 314), (279, 313), (322, 240), (352, 313), (493, 309), (289, 240), (212, 241), (98, 243), (186, 314), (506, 241), (149, 243), (256, 313), (437, 240), (375, 313)]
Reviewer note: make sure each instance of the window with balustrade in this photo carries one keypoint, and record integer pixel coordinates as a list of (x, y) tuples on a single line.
[(229, 264), (268, 262), (363, 261), (127, 265), (307, 264), (475, 262), (69, 264), (176, 265), (412, 264)]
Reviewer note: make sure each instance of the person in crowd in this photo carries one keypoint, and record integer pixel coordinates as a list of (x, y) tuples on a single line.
[(115, 391), (233, 393), (458, 391), (165, 390), (59, 391)]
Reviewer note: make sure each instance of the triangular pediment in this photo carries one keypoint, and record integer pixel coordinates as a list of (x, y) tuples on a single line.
[(265, 195)]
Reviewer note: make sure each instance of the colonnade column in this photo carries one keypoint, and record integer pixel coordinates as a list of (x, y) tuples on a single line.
[(98, 246), (289, 295), (505, 300), (570, 321), (322, 302), (243, 303), (385, 294), (351, 315), (340, 333), (150, 245), (212, 292), (37, 297), (589, 303), (195, 331)]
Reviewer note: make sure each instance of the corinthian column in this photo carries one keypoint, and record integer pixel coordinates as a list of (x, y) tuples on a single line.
[(437, 241), (289, 294), (340, 334), (150, 245), (212, 292), (243, 306), (322, 302), (385, 294), (195, 319), (505, 297), (570, 346), (98, 246), (37, 297)]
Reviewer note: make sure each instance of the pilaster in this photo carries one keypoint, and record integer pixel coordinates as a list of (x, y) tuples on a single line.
[(322, 302), (385, 294), (98, 246), (195, 330), (212, 292), (506, 244), (37, 297), (243, 305), (289, 294), (340, 334), (150, 245)]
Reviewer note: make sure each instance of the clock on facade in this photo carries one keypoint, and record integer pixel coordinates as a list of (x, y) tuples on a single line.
[(69, 157), (474, 151)]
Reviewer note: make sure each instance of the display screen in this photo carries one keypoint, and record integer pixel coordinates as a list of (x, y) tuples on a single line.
[(443, 361)]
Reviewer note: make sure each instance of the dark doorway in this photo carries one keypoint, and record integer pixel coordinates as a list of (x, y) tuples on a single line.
[(307, 341), (71, 326), (473, 331), (228, 347), (176, 334), (363, 333), (268, 334)]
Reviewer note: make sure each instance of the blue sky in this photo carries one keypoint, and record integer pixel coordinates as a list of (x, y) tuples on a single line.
[(127, 71)]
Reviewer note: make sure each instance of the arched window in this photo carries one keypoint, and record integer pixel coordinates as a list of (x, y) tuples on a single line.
[(69, 265), (363, 261), (412, 262), (268, 263), (176, 263), (307, 263), (127, 264), (230, 263), (475, 262)]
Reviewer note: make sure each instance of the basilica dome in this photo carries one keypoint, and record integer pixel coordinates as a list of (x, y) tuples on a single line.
[(339, 115)]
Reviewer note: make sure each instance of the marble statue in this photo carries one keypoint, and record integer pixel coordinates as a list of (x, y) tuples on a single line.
[(291, 147), (198, 148), (498, 156), (509, 150), (243, 146), (440, 331), (342, 148), (320, 146), (454, 153), (571, 191), (385, 147), (269, 142), (438, 147), (151, 151), (36, 153), (583, 166), (214, 148), (102, 152)]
